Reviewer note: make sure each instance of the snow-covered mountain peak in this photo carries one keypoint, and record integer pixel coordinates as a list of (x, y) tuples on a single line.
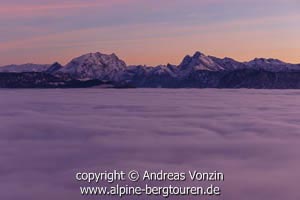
[(266, 61), (198, 54), (98, 59), (95, 66), (199, 61), (270, 64)]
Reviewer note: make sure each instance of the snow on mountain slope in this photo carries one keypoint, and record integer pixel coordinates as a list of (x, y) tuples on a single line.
[(24, 68), (199, 61), (111, 68), (273, 65), (170, 70), (142, 72), (228, 63), (54, 68), (95, 66)]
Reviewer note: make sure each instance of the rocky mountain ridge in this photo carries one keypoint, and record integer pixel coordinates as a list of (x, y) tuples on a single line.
[(199, 71)]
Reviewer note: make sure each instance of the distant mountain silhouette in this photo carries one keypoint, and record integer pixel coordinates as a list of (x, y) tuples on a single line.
[(197, 71)]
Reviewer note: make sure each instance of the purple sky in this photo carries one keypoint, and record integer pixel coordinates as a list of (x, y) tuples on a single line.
[(148, 31)]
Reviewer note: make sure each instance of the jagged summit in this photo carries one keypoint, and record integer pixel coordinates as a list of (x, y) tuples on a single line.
[(54, 68), (199, 61), (198, 54), (196, 71), (111, 67)]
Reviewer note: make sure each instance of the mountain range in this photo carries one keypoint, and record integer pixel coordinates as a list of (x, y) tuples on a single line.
[(196, 71)]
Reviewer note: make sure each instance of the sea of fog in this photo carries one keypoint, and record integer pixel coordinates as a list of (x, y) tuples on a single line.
[(46, 136)]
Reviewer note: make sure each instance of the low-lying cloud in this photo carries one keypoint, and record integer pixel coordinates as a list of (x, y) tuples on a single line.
[(48, 135)]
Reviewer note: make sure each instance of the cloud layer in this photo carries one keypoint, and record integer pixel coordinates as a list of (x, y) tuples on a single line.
[(46, 136)]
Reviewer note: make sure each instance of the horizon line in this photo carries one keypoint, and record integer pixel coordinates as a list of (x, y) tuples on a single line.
[(127, 64)]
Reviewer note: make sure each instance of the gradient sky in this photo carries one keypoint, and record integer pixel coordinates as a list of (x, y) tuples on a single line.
[(148, 31)]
